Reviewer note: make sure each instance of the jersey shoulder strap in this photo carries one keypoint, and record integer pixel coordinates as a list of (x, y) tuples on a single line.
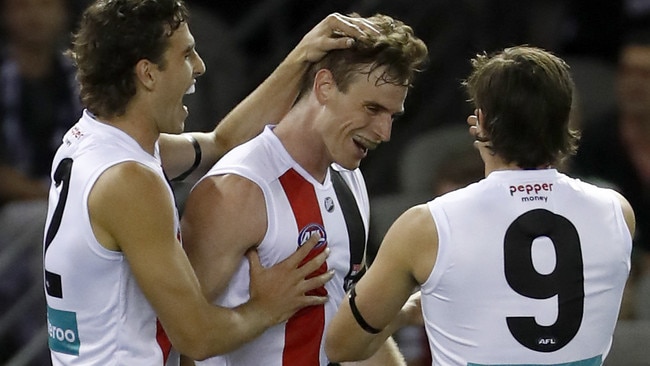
[(355, 226)]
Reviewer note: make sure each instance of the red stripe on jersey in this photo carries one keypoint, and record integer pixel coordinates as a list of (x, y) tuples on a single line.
[(163, 341), (304, 330)]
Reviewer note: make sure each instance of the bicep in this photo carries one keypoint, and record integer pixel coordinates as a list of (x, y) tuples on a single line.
[(224, 217), (179, 154), (404, 260), (138, 219)]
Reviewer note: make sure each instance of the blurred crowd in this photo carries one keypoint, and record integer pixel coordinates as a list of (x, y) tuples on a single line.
[(607, 44)]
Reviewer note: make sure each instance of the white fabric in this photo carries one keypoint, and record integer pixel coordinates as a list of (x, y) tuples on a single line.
[(467, 297), (103, 317), (263, 160)]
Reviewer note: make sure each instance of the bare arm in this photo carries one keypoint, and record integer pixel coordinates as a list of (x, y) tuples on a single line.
[(224, 221), (145, 234), (270, 101), (388, 354), (215, 237), (404, 260)]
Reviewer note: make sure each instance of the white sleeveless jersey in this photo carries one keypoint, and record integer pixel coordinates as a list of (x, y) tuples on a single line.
[(296, 205), (530, 270), (97, 314)]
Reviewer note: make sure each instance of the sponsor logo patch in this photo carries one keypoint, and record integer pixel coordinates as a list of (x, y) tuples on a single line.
[(531, 191), (62, 331)]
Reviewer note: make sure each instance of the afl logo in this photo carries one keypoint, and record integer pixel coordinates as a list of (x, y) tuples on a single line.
[(308, 231)]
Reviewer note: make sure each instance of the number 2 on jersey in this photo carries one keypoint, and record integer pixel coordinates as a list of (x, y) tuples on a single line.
[(61, 176)]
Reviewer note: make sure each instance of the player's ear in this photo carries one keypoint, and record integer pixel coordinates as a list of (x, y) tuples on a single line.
[(145, 72), (324, 85)]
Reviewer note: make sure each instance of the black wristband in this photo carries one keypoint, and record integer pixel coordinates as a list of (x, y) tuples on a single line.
[(197, 158), (357, 315)]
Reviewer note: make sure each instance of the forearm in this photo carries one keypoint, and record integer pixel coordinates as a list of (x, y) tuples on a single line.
[(351, 338), (357, 344), (217, 331), (388, 354), (268, 103)]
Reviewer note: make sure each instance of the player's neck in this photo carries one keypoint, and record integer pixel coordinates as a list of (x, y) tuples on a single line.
[(139, 128), (495, 162), (304, 143)]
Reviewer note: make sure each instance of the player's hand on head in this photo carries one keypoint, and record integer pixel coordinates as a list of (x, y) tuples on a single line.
[(336, 31)]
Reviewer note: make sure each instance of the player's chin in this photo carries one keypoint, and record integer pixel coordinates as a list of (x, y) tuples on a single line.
[(176, 128), (350, 164)]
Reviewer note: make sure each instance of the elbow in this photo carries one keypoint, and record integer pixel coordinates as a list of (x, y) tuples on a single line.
[(193, 347), (194, 342), (333, 350), (337, 351)]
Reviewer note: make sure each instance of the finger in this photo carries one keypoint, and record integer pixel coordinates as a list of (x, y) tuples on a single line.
[(472, 120), (315, 300), (340, 42), (314, 263), (473, 131), (361, 24), (316, 281), (254, 261), (354, 27), (296, 258)]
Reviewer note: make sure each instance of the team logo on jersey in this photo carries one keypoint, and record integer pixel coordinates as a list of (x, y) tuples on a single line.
[(62, 331), (308, 231), (329, 204)]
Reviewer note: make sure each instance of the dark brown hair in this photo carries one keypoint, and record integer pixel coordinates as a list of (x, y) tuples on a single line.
[(113, 36), (525, 95), (396, 47)]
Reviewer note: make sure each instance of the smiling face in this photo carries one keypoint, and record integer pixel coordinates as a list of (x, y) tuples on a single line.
[(175, 78), (360, 118)]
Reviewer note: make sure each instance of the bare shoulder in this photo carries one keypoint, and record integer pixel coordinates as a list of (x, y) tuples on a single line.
[(126, 193), (221, 195), (414, 236), (223, 204), (415, 221), (232, 184), (224, 217)]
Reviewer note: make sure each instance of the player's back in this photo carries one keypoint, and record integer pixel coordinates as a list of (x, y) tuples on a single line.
[(530, 270)]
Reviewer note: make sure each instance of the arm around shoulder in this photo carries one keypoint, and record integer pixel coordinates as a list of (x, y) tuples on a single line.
[(138, 219)]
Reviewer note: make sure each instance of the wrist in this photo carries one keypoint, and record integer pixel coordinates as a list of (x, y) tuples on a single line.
[(255, 318)]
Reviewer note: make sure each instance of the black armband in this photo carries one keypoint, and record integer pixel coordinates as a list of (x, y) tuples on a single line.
[(197, 158), (357, 315)]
